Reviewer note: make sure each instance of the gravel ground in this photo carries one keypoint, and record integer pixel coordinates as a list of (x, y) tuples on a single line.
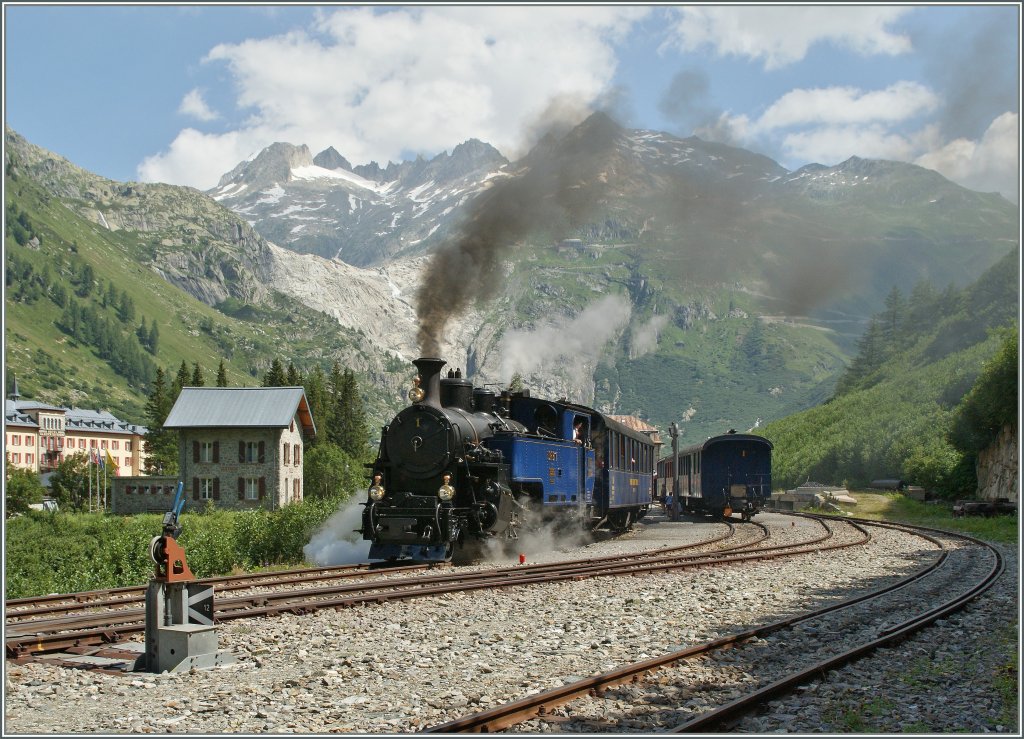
[(402, 667)]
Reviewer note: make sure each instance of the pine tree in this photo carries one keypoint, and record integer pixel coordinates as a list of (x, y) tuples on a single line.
[(181, 380), (316, 395), (161, 444), (154, 338), (334, 422), (870, 356), (197, 376), (892, 321), (222, 375), (351, 421), (293, 379), (275, 376)]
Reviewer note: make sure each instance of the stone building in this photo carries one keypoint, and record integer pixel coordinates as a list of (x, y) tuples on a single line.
[(240, 448)]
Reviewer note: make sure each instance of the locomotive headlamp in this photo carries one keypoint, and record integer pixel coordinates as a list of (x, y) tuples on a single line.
[(376, 490), (416, 394), (446, 491)]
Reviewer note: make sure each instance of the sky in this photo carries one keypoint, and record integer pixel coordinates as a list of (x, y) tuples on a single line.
[(183, 93)]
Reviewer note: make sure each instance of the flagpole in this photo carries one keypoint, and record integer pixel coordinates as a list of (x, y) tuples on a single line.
[(88, 469)]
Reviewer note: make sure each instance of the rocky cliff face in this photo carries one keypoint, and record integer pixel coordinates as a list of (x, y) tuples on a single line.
[(999, 466)]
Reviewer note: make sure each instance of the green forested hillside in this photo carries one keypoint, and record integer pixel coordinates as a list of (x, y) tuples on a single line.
[(87, 321), (896, 407)]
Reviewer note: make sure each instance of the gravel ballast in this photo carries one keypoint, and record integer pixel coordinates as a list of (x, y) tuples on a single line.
[(405, 666)]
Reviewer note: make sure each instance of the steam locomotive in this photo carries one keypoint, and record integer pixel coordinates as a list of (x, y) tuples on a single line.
[(724, 474), (461, 466)]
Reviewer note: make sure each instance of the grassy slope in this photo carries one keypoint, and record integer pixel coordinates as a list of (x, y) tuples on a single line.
[(52, 367)]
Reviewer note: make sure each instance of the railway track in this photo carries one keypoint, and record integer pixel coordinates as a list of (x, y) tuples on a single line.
[(709, 687), (106, 617)]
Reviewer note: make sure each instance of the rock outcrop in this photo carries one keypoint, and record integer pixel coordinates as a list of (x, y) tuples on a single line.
[(999, 466)]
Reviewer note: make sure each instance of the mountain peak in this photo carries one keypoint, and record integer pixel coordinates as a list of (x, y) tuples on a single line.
[(273, 164), (329, 158)]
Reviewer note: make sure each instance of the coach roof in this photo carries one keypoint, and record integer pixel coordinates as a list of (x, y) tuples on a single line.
[(227, 407)]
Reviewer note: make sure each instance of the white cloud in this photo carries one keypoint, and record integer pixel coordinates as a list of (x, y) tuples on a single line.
[(375, 83), (833, 144), (197, 159), (829, 125), (194, 105), (989, 165), (783, 35), (848, 105)]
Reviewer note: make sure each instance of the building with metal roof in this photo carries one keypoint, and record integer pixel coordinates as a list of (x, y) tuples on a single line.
[(237, 407), (238, 447)]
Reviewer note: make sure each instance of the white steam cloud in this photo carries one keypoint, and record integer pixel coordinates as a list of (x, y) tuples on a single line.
[(338, 542), (582, 337), (645, 339)]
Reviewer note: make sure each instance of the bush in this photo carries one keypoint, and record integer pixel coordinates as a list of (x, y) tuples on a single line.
[(66, 553)]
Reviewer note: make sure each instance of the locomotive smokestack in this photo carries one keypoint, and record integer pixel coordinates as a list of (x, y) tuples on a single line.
[(430, 379)]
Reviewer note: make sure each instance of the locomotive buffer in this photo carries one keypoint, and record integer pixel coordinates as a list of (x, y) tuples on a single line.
[(180, 634)]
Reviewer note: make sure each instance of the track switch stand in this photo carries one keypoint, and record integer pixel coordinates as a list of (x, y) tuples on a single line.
[(180, 633)]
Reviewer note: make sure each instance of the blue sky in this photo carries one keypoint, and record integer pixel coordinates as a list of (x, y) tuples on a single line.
[(181, 94)]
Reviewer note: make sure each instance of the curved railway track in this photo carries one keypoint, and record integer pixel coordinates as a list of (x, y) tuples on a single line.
[(107, 617), (709, 687)]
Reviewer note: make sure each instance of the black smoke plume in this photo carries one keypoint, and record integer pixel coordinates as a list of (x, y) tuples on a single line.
[(555, 190)]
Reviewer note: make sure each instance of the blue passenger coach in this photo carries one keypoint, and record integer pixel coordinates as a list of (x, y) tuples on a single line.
[(719, 476)]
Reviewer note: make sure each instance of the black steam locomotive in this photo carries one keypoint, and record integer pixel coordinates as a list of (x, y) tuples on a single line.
[(462, 465), (725, 474)]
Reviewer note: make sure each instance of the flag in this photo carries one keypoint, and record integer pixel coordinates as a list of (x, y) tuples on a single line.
[(111, 462), (93, 458)]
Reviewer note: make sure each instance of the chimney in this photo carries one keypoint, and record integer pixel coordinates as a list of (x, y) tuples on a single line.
[(430, 379)]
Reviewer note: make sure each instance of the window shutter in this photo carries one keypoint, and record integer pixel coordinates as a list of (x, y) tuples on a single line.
[(263, 487), (216, 451), (262, 453), (296, 456), (195, 451), (241, 451), (284, 451), (195, 488), (241, 488), (216, 488)]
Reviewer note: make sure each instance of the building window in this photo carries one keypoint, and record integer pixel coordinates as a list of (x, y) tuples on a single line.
[(128, 446), (103, 444), (30, 459), (252, 451), (252, 488), (205, 488), (15, 458), (16, 440), (287, 453), (206, 451), (92, 443), (115, 444)]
